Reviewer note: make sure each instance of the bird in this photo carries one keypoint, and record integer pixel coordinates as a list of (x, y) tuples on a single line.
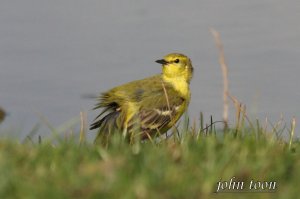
[(146, 108)]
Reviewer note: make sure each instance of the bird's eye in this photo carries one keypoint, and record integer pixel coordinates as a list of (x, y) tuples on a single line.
[(176, 61)]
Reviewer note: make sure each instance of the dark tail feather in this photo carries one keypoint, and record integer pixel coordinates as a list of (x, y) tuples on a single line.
[(107, 126), (107, 121)]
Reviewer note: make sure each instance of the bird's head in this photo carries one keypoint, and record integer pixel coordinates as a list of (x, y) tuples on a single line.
[(176, 65)]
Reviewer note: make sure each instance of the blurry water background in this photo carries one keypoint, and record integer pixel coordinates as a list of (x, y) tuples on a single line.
[(52, 53)]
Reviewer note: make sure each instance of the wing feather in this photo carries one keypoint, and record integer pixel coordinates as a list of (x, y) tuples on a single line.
[(157, 111)]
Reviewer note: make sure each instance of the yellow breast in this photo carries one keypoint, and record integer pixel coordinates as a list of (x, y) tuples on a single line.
[(181, 85)]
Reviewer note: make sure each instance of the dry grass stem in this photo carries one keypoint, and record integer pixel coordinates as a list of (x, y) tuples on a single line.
[(166, 95), (224, 68), (293, 126), (83, 127)]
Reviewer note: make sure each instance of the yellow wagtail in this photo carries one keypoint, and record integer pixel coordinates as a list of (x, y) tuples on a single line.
[(146, 107)]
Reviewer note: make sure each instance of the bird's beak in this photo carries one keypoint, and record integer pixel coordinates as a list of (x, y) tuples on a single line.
[(162, 61)]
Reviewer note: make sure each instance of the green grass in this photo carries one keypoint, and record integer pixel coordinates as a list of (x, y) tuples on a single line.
[(185, 167)]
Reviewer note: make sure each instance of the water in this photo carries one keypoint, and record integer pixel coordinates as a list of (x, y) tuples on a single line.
[(53, 52)]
